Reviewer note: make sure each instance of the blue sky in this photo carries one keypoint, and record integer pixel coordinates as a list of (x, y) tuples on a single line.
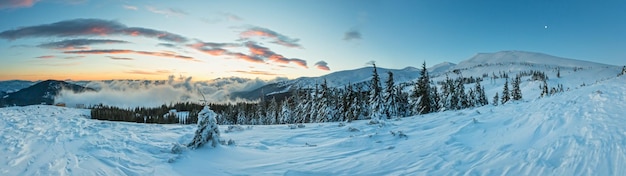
[(111, 39)]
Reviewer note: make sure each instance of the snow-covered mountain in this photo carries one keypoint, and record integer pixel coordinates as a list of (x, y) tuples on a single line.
[(336, 79), (525, 57), (577, 132), (577, 72), (41, 92), (14, 85)]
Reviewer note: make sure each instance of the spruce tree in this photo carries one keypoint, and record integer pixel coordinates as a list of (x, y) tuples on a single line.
[(505, 92), (544, 89), (435, 99), (495, 99), (463, 98), (403, 103), (482, 98), (324, 108), (375, 99), (516, 92), (453, 97), (286, 113), (207, 131), (390, 97), (423, 89), (272, 112)]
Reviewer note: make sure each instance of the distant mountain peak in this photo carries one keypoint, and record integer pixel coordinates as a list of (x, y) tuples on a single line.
[(514, 56)]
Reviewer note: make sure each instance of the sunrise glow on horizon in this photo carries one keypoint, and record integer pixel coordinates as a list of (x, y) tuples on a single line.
[(104, 40)]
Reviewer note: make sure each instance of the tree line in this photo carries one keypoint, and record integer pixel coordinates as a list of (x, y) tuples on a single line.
[(322, 103)]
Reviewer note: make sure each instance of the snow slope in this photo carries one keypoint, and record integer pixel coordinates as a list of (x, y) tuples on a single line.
[(507, 57), (580, 132)]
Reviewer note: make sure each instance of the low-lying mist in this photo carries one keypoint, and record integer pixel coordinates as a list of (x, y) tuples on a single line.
[(143, 93)]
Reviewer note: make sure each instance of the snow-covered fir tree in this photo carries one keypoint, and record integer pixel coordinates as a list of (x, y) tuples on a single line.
[(516, 92), (435, 99), (544, 89), (375, 99), (208, 130), (272, 112), (482, 98), (390, 97), (422, 93), (286, 116), (505, 92), (460, 93), (403, 103), (496, 99), (325, 107)]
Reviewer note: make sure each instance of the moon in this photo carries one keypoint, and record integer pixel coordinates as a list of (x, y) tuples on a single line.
[(545, 27)]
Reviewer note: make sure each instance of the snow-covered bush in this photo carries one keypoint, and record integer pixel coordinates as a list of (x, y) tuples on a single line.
[(208, 130)]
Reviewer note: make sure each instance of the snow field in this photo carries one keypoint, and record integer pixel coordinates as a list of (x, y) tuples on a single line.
[(578, 132)]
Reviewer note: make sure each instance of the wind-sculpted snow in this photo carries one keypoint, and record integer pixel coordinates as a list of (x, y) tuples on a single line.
[(577, 132), (48, 140)]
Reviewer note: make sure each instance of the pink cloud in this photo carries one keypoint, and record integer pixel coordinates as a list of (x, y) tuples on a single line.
[(13, 4)]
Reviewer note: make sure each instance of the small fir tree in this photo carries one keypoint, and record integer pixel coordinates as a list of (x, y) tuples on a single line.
[(505, 92), (208, 130), (495, 99)]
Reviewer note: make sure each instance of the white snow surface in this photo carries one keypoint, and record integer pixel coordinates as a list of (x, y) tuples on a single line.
[(525, 57), (579, 132)]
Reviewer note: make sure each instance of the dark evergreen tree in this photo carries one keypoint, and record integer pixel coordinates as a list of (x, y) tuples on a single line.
[(516, 93), (482, 98), (460, 92), (472, 98), (496, 99), (505, 92), (273, 111), (375, 99), (435, 99), (423, 92), (558, 72), (324, 107), (403, 103), (544, 89), (390, 98), (623, 71)]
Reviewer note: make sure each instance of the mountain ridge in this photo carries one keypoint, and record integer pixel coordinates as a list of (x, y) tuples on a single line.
[(39, 93)]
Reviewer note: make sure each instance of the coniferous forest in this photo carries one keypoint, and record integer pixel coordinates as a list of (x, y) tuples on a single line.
[(375, 99)]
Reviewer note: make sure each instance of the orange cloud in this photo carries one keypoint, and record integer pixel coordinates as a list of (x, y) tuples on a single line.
[(120, 58), (46, 57), (247, 57), (10, 4), (159, 54), (322, 66), (88, 27), (78, 44), (257, 72), (272, 56), (278, 38), (141, 72)]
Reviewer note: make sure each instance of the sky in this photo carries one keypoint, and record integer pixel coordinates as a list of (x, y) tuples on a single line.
[(205, 39)]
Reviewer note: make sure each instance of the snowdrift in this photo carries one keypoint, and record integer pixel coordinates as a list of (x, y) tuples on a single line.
[(580, 132)]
